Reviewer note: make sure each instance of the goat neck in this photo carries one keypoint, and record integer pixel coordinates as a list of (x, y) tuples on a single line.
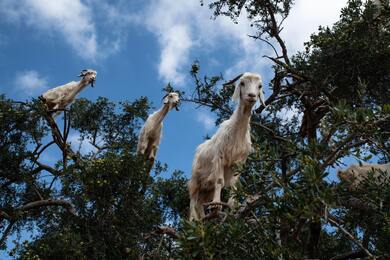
[(79, 87), (161, 113), (242, 116)]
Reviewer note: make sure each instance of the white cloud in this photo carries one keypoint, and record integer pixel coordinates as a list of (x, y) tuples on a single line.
[(305, 18), (176, 44), (287, 114), (76, 22), (182, 27), (206, 120), (30, 82), (84, 146), (69, 17)]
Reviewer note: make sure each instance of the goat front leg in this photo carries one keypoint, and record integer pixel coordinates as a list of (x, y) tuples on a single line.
[(153, 152), (154, 147), (232, 202), (218, 177), (231, 178)]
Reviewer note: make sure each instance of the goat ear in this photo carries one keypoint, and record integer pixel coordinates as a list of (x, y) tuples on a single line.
[(82, 73), (165, 99), (262, 98), (237, 93), (237, 90)]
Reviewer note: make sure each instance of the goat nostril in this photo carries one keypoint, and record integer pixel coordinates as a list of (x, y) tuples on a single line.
[(251, 95)]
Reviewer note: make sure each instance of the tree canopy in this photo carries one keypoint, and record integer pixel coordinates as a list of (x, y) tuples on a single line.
[(106, 205)]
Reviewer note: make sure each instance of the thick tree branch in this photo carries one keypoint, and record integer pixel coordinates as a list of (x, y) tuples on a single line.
[(275, 32), (45, 167), (46, 203), (350, 255)]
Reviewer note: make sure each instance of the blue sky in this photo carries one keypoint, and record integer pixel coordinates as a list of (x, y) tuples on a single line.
[(137, 47)]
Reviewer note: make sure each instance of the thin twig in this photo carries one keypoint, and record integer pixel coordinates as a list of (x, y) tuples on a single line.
[(350, 237), (4, 215), (6, 233)]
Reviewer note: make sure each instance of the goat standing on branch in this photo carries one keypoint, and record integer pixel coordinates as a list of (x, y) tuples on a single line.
[(150, 136), (354, 175), (58, 98), (212, 168)]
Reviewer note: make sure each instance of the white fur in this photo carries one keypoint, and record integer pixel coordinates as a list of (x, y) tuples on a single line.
[(354, 175), (150, 135), (62, 96), (212, 168), (378, 6)]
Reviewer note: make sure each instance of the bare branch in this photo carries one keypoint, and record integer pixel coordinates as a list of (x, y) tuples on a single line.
[(350, 255), (296, 74), (162, 230), (274, 135), (267, 42), (203, 103), (349, 236), (4, 215), (46, 203), (45, 167), (6, 233), (275, 33)]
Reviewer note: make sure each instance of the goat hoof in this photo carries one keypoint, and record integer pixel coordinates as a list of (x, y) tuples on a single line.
[(215, 208)]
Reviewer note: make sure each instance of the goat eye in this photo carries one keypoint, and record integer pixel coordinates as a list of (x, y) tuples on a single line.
[(242, 83)]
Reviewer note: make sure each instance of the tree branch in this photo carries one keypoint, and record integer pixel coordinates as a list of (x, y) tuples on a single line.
[(163, 230), (274, 135), (275, 33), (350, 236), (48, 202), (350, 255), (4, 215), (6, 233)]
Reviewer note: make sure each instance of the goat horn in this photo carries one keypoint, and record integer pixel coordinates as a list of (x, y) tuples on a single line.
[(233, 80), (82, 73)]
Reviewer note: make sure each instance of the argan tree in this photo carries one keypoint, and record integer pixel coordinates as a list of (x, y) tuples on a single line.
[(105, 205)]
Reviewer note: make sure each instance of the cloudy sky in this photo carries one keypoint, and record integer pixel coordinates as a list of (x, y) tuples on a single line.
[(137, 47)]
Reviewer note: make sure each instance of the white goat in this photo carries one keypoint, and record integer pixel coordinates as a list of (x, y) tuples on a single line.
[(60, 97), (212, 168), (354, 175), (150, 136)]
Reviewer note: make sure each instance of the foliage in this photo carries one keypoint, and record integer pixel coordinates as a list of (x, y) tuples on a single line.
[(106, 205)]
